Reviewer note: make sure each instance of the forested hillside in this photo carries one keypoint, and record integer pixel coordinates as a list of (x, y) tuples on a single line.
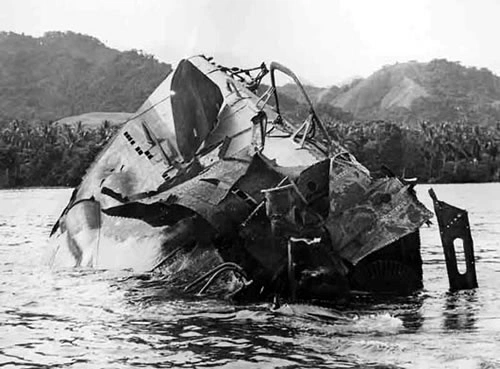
[(65, 73), (411, 92)]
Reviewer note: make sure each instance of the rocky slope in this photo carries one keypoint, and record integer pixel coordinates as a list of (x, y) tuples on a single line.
[(409, 92)]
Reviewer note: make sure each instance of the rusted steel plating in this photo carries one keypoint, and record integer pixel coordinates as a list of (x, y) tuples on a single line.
[(454, 224)]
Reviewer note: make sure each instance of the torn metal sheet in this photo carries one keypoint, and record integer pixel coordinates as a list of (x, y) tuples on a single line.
[(454, 226), (349, 181), (385, 212)]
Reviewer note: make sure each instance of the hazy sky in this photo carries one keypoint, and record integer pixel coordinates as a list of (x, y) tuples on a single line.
[(325, 42)]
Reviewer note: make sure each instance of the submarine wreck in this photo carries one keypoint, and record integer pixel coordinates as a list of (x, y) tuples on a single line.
[(212, 188)]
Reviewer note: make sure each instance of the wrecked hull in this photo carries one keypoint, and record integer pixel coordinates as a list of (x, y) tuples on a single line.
[(208, 181)]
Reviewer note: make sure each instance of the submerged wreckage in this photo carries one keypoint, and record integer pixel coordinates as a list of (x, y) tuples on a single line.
[(211, 186)]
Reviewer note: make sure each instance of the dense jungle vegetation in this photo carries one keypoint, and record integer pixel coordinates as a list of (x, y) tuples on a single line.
[(433, 152), (58, 155), (45, 154)]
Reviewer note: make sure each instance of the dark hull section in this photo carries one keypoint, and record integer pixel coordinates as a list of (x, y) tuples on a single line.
[(397, 268), (457, 241)]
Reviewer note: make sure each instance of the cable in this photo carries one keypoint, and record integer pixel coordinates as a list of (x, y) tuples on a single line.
[(215, 271)]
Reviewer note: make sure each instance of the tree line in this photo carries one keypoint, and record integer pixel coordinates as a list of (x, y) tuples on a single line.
[(439, 152), (48, 154)]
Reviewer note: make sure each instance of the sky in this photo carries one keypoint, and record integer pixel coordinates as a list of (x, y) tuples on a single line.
[(324, 41)]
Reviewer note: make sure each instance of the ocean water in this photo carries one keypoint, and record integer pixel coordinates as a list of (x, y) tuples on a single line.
[(82, 318)]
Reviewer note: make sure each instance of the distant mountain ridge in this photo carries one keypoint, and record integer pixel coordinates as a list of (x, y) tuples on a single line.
[(65, 73), (439, 90)]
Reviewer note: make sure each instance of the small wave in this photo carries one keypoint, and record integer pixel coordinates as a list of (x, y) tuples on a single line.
[(345, 322), (377, 324)]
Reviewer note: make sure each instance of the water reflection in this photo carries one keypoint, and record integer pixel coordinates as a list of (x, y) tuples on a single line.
[(460, 310), (412, 316)]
